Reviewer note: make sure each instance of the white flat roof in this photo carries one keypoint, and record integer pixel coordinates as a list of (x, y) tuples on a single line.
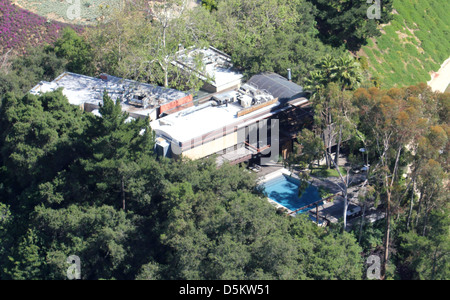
[(223, 76), (218, 65), (184, 126), (199, 121), (80, 89)]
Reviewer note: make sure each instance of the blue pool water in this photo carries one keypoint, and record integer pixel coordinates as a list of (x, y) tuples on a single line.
[(284, 190)]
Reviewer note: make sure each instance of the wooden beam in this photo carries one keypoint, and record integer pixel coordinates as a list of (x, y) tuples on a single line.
[(251, 109)]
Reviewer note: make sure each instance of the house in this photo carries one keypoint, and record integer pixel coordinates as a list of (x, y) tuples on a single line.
[(292, 120), (278, 86), (139, 100), (237, 125)]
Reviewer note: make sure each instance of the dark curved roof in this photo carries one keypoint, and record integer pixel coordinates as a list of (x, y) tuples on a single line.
[(278, 86)]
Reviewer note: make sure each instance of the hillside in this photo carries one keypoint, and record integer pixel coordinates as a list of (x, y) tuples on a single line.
[(413, 45), (62, 10), (58, 10), (21, 29)]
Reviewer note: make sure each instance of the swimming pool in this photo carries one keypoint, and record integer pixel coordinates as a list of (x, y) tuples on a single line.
[(284, 190)]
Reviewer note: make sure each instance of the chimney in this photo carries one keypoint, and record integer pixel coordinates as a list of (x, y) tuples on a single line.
[(289, 74)]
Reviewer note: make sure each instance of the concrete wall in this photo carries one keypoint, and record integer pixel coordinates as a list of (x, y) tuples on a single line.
[(217, 89), (212, 147), (233, 84)]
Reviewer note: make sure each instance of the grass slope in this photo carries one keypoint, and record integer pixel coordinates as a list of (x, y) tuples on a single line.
[(415, 43), (60, 10)]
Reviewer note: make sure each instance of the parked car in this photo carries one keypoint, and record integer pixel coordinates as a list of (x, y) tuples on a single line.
[(353, 210)]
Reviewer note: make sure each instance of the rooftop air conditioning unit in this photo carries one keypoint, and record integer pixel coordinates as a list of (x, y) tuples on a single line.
[(162, 147), (246, 101)]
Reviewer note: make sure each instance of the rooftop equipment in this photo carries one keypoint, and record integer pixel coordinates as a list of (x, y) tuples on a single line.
[(245, 100)]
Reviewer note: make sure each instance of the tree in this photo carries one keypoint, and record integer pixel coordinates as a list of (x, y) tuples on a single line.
[(311, 148), (37, 142), (269, 36), (346, 263), (317, 246), (335, 112), (343, 70), (348, 72), (98, 235), (76, 51), (209, 4), (27, 262), (335, 117), (114, 145), (347, 23), (390, 120), (24, 72), (5, 235), (430, 185), (428, 256), (142, 40)]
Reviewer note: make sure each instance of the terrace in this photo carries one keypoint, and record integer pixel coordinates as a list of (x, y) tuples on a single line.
[(218, 75)]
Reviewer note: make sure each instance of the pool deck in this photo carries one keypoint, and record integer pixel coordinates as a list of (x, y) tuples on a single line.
[(277, 171), (330, 211)]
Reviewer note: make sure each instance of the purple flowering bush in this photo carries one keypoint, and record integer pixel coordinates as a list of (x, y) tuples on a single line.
[(20, 29)]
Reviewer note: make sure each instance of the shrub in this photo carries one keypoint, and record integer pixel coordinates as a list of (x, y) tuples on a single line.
[(21, 29)]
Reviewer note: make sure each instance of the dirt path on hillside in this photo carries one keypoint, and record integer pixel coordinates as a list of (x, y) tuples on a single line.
[(441, 79)]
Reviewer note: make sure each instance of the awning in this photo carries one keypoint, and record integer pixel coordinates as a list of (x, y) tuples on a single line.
[(237, 156), (299, 102)]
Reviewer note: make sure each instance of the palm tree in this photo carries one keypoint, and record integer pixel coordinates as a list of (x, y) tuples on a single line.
[(323, 76), (348, 72), (314, 82), (344, 70), (328, 67)]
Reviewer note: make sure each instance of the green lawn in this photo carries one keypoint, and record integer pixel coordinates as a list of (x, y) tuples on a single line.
[(415, 43), (324, 172)]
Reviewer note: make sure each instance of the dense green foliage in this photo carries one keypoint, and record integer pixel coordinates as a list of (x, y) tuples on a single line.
[(44, 63), (22, 73), (406, 134), (270, 36), (77, 184), (72, 183), (348, 22), (76, 50)]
